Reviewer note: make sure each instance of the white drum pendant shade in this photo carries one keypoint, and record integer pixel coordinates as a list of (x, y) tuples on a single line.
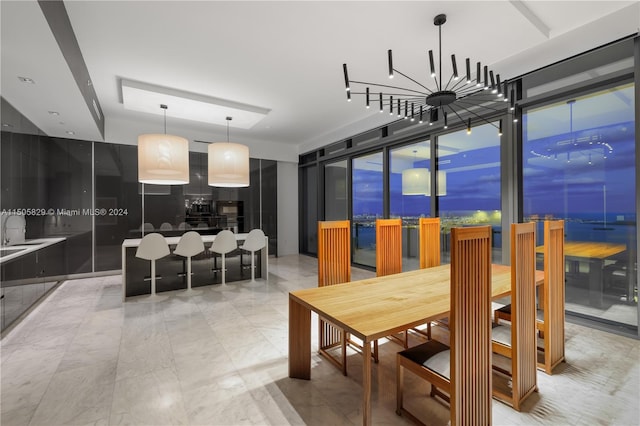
[(228, 165), (163, 159), (442, 183), (415, 181)]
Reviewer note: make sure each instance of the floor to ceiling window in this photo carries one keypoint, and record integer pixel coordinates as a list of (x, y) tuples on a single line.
[(335, 191), (579, 165), (410, 195), (367, 197), (469, 182), (309, 200)]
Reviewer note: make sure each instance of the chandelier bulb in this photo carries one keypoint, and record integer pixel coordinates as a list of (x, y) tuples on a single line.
[(431, 64)]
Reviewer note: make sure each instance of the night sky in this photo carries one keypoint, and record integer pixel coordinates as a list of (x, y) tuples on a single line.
[(551, 185)]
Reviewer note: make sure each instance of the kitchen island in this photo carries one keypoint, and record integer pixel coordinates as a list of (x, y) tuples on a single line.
[(135, 272)]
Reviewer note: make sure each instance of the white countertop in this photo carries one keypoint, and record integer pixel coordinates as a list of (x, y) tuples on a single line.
[(29, 246)]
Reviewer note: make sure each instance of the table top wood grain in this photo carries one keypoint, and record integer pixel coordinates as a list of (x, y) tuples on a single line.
[(376, 307), (589, 249)]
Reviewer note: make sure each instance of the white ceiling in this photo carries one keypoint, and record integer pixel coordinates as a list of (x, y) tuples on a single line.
[(284, 56)]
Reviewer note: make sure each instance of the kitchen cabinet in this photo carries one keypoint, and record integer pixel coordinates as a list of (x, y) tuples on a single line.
[(28, 277)]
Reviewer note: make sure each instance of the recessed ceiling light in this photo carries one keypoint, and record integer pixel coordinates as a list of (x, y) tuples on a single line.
[(26, 80), (69, 132), (54, 113), (7, 125)]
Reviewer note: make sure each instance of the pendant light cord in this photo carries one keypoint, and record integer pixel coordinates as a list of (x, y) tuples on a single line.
[(573, 139), (440, 54), (228, 120), (164, 107)]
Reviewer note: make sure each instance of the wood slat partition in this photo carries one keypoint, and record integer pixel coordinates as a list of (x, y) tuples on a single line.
[(334, 267), (522, 350), (471, 326), (553, 298), (388, 246), (429, 241)]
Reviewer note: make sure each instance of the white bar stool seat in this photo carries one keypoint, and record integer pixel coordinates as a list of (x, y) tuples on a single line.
[(254, 242), (189, 245), (225, 242), (153, 247), (147, 227)]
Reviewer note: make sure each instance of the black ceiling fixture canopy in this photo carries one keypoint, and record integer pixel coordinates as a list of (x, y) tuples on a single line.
[(454, 95)]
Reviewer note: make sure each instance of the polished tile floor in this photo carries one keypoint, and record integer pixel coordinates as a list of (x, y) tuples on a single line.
[(220, 358)]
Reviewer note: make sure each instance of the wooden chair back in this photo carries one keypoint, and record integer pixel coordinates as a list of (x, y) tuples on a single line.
[(334, 267), (388, 246), (334, 252), (470, 319), (554, 298), (523, 302), (429, 230), (522, 350)]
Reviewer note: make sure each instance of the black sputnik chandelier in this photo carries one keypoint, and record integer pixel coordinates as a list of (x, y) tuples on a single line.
[(458, 96)]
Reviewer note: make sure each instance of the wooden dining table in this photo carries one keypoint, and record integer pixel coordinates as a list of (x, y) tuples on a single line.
[(374, 308), (594, 253)]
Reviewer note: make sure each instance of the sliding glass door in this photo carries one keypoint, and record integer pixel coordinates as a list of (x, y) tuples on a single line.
[(335, 191), (579, 166), (469, 184), (410, 195), (367, 187)]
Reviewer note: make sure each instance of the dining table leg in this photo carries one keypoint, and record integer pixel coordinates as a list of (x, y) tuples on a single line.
[(595, 283), (366, 383), (299, 341)]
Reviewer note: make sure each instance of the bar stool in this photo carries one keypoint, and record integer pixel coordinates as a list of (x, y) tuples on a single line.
[(225, 242), (184, 226), (153, 247), (254, 242), (166, 226), (189, 245)]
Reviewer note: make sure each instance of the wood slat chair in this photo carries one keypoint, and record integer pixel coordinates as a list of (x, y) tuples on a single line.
[(388, 246), (429, 231), (550, 320), (517, 341), (429, 241), (389, 259), (334, 267), (460, 374), (553, 297)]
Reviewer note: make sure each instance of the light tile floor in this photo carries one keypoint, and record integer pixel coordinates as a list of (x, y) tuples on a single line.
[(220, 358)]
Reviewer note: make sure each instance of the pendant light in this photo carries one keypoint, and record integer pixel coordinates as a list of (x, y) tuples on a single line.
[(163, 159), (441, 175), (415, 181), (228, 163)]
